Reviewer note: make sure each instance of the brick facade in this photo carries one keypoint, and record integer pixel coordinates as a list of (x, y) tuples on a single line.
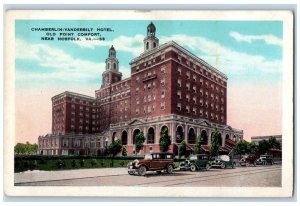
[(168, 86)]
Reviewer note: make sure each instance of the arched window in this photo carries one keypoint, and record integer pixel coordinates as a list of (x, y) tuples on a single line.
[(115, 66), (154, 44), (204, 138), (220, 139), (147, 45), (134, 135), (108, 66), (114, 137), (227, 137), (151, 136), (179, 134), (192, 136), (124, 138)]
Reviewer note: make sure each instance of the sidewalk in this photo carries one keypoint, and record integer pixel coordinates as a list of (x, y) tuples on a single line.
[(36, 175)]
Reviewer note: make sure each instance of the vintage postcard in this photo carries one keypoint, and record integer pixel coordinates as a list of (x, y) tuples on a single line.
[(149, 103)]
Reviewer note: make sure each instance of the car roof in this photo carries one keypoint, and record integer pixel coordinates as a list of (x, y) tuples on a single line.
[(166, 153)]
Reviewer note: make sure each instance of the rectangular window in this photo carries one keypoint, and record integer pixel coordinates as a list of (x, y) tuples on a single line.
[(179, 71), (163, 92), (187, 109), (163, 81), (162, 105), (178, 106), (179, 94), (179, 82), (194, 111), (188, 86)]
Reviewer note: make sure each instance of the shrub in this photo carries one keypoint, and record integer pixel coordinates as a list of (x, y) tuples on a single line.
[(94, 162), (73, 163), (60, 163), (82, 162), (122, 163)]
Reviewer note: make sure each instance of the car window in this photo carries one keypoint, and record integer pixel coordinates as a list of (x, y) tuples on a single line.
[(204, 157), (194, 157), (169, 156), (148, 157)]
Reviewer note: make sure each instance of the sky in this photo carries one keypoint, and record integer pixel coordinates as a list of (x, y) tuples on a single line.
[(248, 52)]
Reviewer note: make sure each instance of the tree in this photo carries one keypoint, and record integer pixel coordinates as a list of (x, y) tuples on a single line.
[(198, 149), (27, 148), (165, 140), (139, 141), (115, 147), (214, 147), (263, 146), (241, 148), (274, 144), (252, 148), (182, 149)]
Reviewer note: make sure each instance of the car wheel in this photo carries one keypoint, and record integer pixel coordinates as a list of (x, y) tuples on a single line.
[(233, 165), (142, 170), (193, 168), (223, 166), (131, 172), (207, 167), (170, 169)]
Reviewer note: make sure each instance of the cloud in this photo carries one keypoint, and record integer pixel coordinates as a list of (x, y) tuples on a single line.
[(133, 45), (63, 66), (223, 58), (268, 38)]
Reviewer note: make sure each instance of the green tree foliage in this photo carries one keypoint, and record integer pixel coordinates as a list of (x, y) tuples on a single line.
[(274, 144), (198, 149), (165, 140), (139, 141), (263, 146), (182, 149), (214, 147), (27, 148), (252, 148), (115, 147), (241, 148)]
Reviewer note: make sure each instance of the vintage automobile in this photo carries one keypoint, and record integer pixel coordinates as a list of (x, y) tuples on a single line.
[(223, 161), (265, 160), (248, 160), (196, 162), (152, 162)]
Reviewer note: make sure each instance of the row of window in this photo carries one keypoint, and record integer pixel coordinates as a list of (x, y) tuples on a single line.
[(194, 87), (201, 112), (212, 96), (202, 71), (150, 108)]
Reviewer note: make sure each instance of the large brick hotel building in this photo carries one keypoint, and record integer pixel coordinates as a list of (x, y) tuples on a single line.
[(168, 87)]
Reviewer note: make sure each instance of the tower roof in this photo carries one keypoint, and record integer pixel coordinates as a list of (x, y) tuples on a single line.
[(151, 28), (112, 48)]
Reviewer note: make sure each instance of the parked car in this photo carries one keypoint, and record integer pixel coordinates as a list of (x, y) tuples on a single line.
[(223, 161), (196, 162), (265, 159), (153, 162), (248, 160)]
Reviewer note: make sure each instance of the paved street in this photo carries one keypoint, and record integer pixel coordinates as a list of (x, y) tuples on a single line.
[(260, 176)]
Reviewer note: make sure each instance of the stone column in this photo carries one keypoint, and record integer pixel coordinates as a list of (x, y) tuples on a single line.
[(129, 136), (185, 133), (198, 132), (172, 133), (223, 138), (157, 133), (209, 136)]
